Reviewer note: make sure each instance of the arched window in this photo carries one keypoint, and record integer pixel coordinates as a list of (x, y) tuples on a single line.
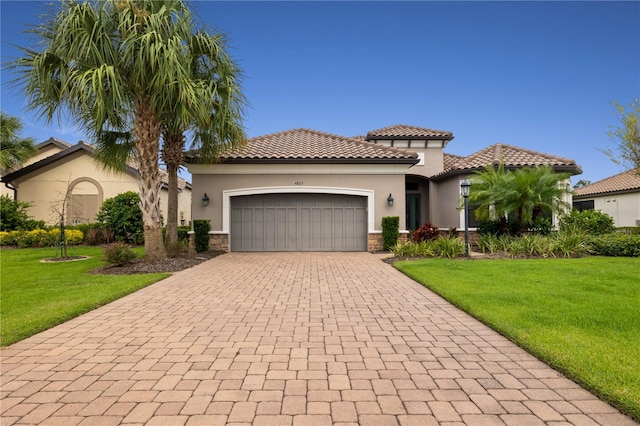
[(84, 202)]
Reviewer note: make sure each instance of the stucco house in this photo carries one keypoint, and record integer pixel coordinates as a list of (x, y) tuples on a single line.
[(306, 190), (618, 196), (57, 165)]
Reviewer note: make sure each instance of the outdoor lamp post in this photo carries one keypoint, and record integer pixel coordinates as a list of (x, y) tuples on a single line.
[(465, 185)]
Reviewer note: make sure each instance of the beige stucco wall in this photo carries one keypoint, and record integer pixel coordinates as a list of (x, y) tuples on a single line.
[(45, 188), (445, 203), (380, 180), (623, 208)]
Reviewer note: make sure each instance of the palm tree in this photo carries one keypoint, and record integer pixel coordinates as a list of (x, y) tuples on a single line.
[(116, 66), (217, 111), (13, 150), (523, 193)]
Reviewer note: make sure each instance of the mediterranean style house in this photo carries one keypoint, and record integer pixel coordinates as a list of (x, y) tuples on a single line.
[(618, 196), (305, 190), (57, 166)]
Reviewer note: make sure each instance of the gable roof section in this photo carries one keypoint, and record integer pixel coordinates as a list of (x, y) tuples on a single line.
[(54, 141), (628, 181), (510, 156), (305, 145), (71, 149), (403, 131)]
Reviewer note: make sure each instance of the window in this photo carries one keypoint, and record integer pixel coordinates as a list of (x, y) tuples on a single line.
[(583, 205)]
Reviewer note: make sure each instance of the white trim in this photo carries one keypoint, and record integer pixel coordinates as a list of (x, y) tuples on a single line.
[(226, 199)]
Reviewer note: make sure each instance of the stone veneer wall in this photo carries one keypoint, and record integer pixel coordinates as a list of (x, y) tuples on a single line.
[(219, 242), (375, 241)]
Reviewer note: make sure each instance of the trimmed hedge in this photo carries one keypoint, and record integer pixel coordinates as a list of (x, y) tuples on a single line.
[(201, 229), (390, 232), (40, 238), (616, 245)]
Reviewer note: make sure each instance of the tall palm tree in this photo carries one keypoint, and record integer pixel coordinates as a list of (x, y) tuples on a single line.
[(216, 112), (14, 150), (523, 194), (110, 65)]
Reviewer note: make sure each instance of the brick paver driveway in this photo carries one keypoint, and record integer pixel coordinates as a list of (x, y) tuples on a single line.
[(287, 339)]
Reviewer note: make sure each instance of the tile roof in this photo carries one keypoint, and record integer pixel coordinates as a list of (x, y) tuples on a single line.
[(625, 181), (510, 156), (312, 145), (402, 131)]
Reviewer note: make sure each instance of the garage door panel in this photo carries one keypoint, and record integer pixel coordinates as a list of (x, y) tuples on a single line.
[(298, 222)]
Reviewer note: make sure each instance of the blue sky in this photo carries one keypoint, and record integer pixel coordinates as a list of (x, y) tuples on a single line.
[(538, 75)]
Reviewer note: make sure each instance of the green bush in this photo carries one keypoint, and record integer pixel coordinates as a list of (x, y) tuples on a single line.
[(122, 215), (449, 247), (201, 229), (13, 214), (390, 231), (412, 249), (119, 254), (496, 227), (593, 222), (616, 245)]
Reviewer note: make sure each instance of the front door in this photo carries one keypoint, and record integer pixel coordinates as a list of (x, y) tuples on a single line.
[(413, 211)]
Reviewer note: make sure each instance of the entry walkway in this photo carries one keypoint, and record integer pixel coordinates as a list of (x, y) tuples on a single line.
[(285, 339)]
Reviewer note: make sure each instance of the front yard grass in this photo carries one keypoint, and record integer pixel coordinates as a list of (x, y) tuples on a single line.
[(35, 296), (581, 316)]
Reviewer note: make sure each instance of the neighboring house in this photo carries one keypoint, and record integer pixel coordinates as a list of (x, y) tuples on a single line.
[(57, 165), (305, 190), (618, 196)]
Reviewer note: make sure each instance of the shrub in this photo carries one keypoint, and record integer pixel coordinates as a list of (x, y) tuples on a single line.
[(449, 247), (571, 241), (73, 236), (390, 231), (13, 214), (412, 249), (122, 215), (616, 245), (183, 234), (426, 232), (119, 254), (201, 229), (593, 222), (177, 249), (497, 227)]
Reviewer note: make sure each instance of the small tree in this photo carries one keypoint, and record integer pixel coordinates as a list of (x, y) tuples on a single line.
[(525, 194), (627, 137), (122, 215)]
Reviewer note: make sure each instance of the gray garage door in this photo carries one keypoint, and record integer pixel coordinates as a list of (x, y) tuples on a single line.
[(299, 222)]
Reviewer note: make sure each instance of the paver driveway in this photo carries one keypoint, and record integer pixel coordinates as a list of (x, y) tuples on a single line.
[(290, 339)]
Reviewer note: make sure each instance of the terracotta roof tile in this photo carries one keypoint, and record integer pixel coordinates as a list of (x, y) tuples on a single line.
[(408, 132), (625, 181), (511, 156), (306, 144)]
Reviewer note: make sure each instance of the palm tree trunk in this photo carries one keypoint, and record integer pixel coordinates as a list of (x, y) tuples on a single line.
[(172, 154), (147, 134)]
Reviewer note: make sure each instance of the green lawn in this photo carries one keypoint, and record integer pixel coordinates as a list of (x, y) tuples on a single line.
[(35, 296), (581, 316)]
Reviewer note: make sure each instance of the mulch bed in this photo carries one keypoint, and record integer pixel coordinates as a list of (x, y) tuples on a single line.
[(173, 264)]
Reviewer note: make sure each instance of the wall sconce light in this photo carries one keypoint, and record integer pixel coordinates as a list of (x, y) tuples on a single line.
[(390, 200), (205, 200)]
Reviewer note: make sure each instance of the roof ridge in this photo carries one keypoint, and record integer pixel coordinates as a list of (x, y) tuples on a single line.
[(531, 151)]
